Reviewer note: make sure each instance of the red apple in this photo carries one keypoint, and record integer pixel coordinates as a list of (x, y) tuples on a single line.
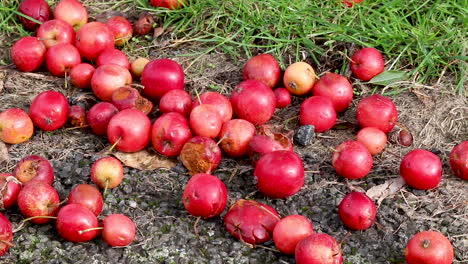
[(176, 101), (352, 160), (113, 56), (49, 110), (15, 126), (61, 58), (377, 111), (34, 168), (367, 63), (99, 116), (290, 230), (72, 12), (56, 31), (9, 190), (170, 4), (283, 97), (337, 88), (77, 223), (459, 160), (92, 39), (421, 169), (28, 54), (38, 199), (357, 211), (374, 139), (264, 68), (205, 121), (169, 133), (109, 78), (6, 234), (37, 9), (121, 29), (127, 97), (318, 249), (279, 174), (319, 112), (88, 196), (429, 247), (131, 128), (250, 221), (299, 78), (160, 76), (118, 230), (350, 3), (137, 66), (253, 101), (200, 155), (107, 172), (81, 74), (235, 137), (205, 195), (260, 145), (219, 101)]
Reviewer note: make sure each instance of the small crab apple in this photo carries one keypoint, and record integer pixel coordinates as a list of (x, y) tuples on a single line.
[(107, 172), (15, 126), (121, 28)]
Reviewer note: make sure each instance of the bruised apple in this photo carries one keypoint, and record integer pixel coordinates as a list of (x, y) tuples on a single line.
[(6, 234), (127, 97)]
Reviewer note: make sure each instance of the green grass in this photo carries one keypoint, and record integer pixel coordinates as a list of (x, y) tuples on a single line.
[(427, 38)]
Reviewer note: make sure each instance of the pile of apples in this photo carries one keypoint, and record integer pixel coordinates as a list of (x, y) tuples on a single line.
[(199, 131)]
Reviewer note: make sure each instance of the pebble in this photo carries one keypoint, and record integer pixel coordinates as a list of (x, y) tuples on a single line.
[(304, 135)]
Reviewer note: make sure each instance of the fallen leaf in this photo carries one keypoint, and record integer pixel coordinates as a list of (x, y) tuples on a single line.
[(158, 32), (388, 77), (2, 78), (4, 157), (142, 160), (380, 192)]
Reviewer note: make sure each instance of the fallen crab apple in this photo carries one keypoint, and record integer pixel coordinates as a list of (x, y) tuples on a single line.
[(357, 211), (429, 247), (264, 68), (37, 9), (107, 172), (38, 201), (352, 160), (88, 196), (15, 126), (77, 223), (9, 190), (421, 169), (129, 138), (49, 110), (200, 155), (169, 133), (34, 168), (6, 234), (318, 249), (290, 230)]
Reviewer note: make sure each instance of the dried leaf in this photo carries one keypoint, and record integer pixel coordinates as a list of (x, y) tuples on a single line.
[(2, 78), (4, 157), (142, 160), (343, 125), (382, 191), (158, 32), (388, 77)]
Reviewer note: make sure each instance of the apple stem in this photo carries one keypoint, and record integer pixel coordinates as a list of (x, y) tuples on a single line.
[(136, 85), (345, 238), (24, 221), (7, 242), (115, 144), (311, 171), (346, 56), (195, 229), (106, 187), (198, 96), (90, 229), (73, 128), (221, 139), (65, 80), (267, 248)]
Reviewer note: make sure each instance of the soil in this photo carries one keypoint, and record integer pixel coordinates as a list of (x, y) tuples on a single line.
[(437, 119)]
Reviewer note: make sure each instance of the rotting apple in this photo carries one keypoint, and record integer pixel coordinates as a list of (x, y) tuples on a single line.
[(88, 196), (299, 78), (9, 190), (129, 130), (459, 160), (253, 101), (49, 110), (373, 138), (107, 172), (283, 97), (38, 199), (61, 58), (319, 112), (352, 160), (81, 74), (200, 155), (290, 230), (37, 9), (264, 68), (169, 133), (218, 100), (235, 137), (250, 221), (92, 39), (6, 234), (377, 111), (128, 97), (34, 168), (28, 54), (77, 116), (118, 230), (160, 76), (113, 56), (337, 88), (77, 223), (205, 121), (205, 196), (109, 78), (318, 248), (429, 247), (99, 116), (367, 63), (357, 211), (56, 31), (121, 28), (178, 101), (15, 126), (421, 169), (71, 11)]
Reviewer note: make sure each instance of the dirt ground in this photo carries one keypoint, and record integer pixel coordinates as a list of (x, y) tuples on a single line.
[(437, 119)]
